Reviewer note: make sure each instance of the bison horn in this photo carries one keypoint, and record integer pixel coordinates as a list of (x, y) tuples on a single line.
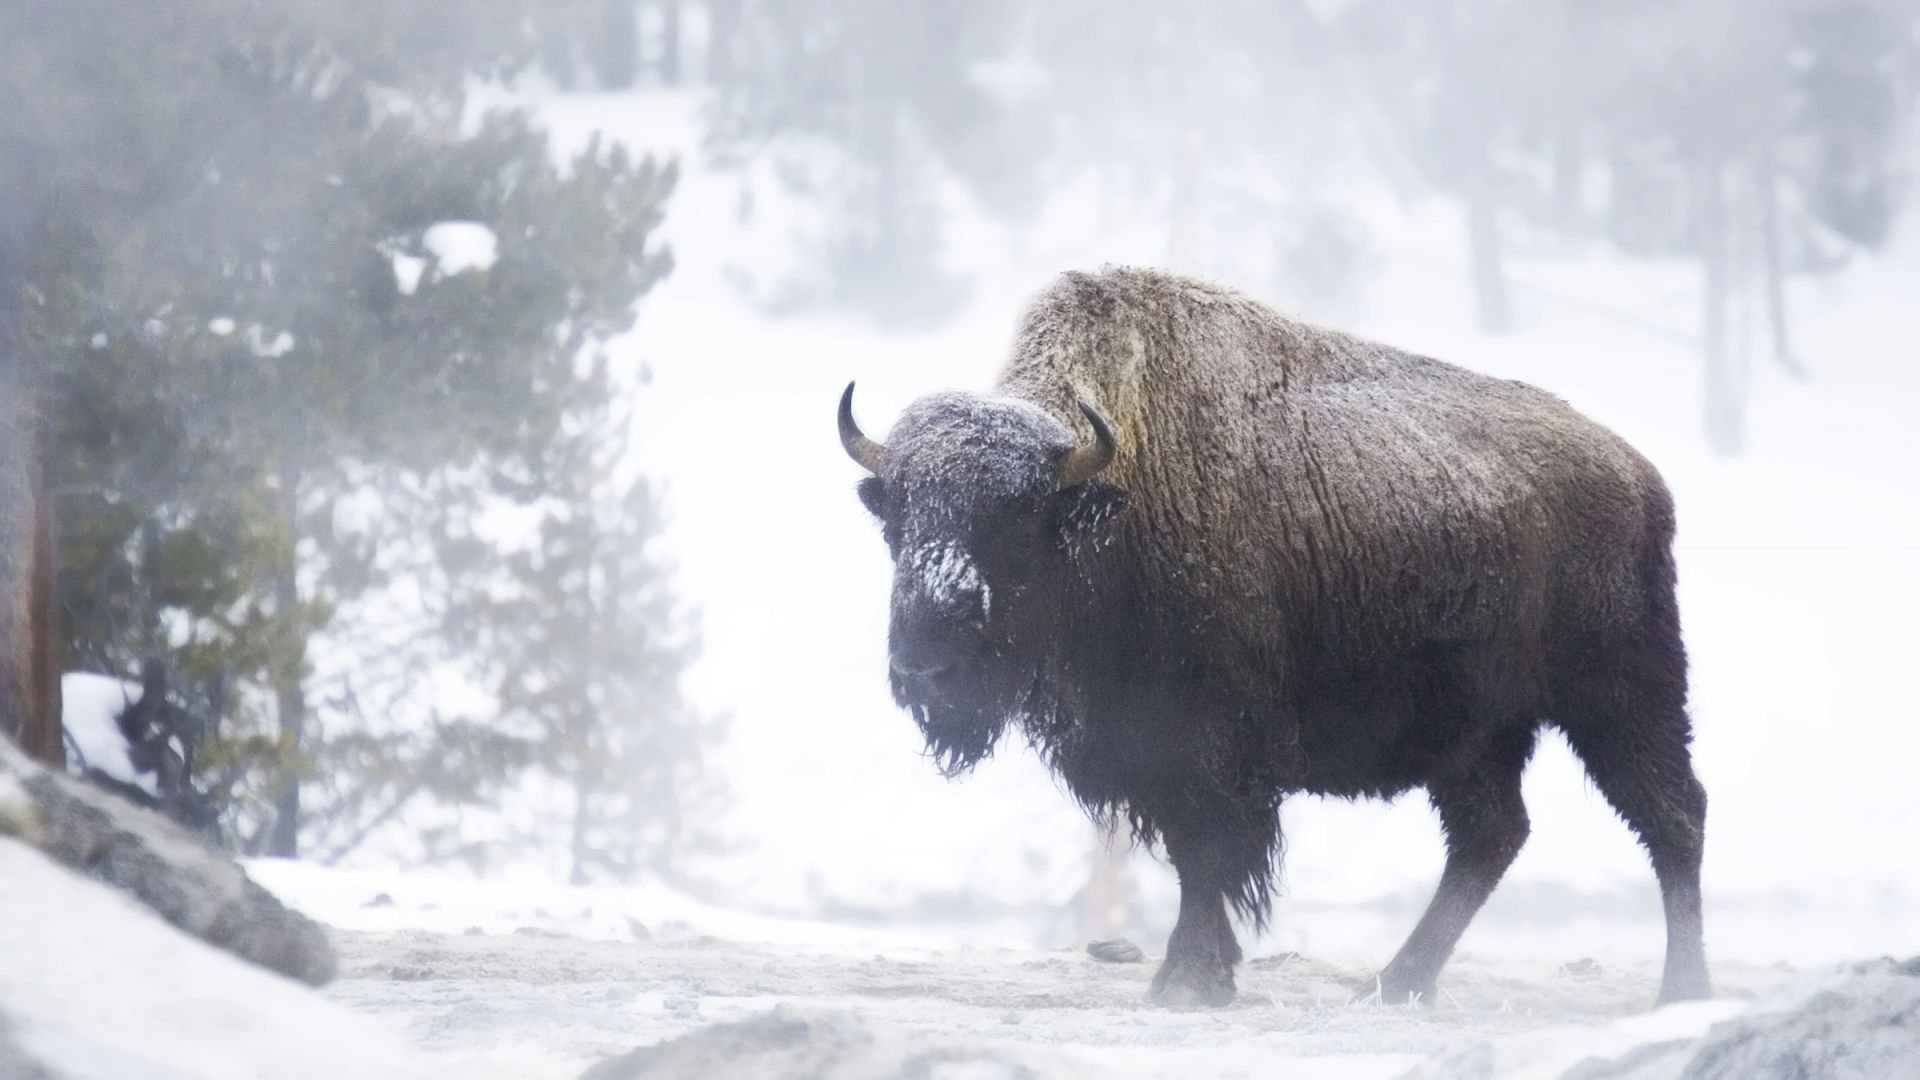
[(1085, 462), (861, 449)]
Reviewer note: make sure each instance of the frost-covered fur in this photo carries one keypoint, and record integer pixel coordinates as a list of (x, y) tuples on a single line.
[(1318, 564)]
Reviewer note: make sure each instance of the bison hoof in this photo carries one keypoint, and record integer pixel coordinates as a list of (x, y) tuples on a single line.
[(1692, 987), (1183, 984), (1393, 988)]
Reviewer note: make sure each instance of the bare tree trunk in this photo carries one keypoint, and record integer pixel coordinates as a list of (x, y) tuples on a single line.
[(29, 656), (581, 810), (723, 26), (1722, 394), (670, 42), (616, 54), (45, 735), (1767, 181)]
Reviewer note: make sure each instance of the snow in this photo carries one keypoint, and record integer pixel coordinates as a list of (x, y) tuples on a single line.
[(268, 348), (555, 977), (1548, 1054), (95, 986), (459, 246), (947, 574), (406, 272), (452, 248), (451, 902), (89, 708)]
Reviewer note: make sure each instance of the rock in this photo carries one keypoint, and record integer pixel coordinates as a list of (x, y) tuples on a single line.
[(1859, 1023), (1862, 1025), (96, 986), (171, 871), (1115, 951), (825, 1045)]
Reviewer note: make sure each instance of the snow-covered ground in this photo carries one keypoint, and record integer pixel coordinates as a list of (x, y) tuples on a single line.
[(543, 980)]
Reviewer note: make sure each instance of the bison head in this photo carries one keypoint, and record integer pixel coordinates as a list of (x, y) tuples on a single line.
[(983, 502)]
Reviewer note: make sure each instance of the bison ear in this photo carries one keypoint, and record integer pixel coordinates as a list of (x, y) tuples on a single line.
[(873, 494), (1084, 508)]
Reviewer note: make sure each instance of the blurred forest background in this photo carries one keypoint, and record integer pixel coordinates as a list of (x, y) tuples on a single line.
[(317, 324)]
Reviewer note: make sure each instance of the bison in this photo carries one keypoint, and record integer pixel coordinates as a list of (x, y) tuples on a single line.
[(1204, 557)]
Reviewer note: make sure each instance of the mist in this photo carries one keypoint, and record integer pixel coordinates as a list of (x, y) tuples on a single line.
[(419, 487)]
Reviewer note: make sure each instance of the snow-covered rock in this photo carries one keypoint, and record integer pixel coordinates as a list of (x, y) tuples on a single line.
[(94, 986), (785, 1042), (1861, 1023), (155, 861)]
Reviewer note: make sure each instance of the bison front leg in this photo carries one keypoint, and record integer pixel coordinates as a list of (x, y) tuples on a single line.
[(1202, 951)]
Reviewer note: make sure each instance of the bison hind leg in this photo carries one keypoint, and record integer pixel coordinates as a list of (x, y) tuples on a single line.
[(1486, 824), (1633, 738)]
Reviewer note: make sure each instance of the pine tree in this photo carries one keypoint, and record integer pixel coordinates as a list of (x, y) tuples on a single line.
[(239, 302), (591, 645), (878, 99)]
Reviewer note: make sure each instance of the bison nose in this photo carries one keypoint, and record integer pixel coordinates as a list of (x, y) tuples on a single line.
[(922, 660)]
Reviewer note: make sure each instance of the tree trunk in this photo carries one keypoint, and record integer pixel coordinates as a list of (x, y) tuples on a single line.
[(45, 736), (1722, 394), (616, 54), (723, 26), (1767, 181), (290, 665), (670, 42), (581, 811), (29, 658)]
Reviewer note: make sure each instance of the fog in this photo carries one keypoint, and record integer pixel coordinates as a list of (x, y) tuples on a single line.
[(422, 420)]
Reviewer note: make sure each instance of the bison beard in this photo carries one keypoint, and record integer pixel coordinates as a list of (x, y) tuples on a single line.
[(957, 740), (1204, 557)]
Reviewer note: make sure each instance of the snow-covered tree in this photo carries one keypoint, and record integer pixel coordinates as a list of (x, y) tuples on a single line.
[(277, 275)]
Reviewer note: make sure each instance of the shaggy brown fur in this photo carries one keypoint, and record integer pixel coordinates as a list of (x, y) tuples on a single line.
[(1341, 569)]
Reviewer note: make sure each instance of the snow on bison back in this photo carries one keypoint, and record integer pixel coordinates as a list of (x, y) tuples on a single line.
[(1204, 556)]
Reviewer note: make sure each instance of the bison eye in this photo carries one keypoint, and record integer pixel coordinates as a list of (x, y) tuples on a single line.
[(873, 494)]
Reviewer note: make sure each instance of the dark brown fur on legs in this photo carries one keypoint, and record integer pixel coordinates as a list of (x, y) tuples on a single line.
[(1622, 707), (1202, 950), (1486, 824)]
